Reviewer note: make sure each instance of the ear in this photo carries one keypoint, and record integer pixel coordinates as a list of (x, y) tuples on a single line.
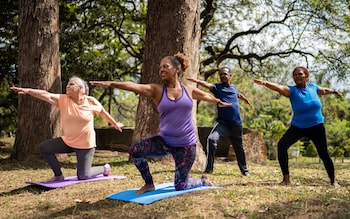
[(307, 78), (81, 90)]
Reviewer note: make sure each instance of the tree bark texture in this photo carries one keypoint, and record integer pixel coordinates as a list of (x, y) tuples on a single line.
[(172, 26), (38, 67)]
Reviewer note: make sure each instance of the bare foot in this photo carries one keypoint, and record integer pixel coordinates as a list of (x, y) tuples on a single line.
[(206, 181), (145, 188), (335, 184), (284, 183), (56, 178)]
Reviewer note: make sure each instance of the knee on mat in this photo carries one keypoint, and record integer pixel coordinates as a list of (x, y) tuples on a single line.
[(179, 187), (83, 177)]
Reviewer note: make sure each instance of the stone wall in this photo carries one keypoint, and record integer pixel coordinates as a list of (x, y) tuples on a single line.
[(111, 139), (254, 145)]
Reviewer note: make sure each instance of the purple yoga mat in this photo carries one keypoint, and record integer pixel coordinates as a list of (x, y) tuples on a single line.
[(71, 180)]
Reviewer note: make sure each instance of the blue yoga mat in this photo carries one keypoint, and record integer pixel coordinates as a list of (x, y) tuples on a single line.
[(161, 191), (71, 180)]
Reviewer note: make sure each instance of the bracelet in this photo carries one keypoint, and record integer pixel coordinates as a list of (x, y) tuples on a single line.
[(334, 91)]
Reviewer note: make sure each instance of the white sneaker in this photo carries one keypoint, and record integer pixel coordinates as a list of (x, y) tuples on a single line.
[(107, 171)]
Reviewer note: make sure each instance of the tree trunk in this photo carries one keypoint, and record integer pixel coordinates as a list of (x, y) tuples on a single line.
[(172, 26), (38, 67)]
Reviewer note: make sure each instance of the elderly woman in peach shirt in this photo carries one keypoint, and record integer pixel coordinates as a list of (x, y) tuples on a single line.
[(77, 115)]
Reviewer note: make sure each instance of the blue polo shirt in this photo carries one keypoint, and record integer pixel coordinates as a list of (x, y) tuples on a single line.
[(227, 115), (306, 105)]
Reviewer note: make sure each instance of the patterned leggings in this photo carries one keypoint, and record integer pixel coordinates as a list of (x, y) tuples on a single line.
[(156, 147)]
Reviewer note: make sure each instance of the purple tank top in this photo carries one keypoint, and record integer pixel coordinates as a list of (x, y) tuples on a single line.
[(176, 123)]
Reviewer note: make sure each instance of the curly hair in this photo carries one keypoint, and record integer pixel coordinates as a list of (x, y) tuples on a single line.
[(179, 59)]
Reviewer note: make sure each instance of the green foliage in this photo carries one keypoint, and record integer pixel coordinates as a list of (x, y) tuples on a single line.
[(8, 67), (338, 137), (123, 107), (8, 107), (337, 123), (295, 149), (126, 106), (206, 114), (347, 148), (103, 40), (338, 132), (271, 119), (310, 150)]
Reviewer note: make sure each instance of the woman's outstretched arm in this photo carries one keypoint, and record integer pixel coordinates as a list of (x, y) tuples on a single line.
[(282, 89), (44, 95)]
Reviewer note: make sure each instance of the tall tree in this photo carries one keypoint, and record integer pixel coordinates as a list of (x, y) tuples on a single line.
[(38, 67), (104, 40), (257, 35), (172, 26)]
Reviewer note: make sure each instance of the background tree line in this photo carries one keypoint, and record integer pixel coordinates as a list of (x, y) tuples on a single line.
[(104, 40)]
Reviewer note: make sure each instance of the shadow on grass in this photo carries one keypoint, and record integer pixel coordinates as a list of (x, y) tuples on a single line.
[(301, 209), (8, 164), (106, 209), (85, 208), (299, 181), (109, 209), (320, 206), (30, 188), (304, 208)]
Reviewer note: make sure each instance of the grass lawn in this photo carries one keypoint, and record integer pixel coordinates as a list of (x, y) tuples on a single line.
[(256, 196)]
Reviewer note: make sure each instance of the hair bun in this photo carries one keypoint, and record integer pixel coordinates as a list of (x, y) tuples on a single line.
[(183, 59)]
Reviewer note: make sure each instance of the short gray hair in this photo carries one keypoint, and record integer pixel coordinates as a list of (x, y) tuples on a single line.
[(84, 86)]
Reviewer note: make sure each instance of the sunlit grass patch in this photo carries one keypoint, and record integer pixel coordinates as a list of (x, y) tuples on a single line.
[(256, 196)]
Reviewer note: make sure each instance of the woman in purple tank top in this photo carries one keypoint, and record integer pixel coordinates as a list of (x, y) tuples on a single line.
[(177, 132)]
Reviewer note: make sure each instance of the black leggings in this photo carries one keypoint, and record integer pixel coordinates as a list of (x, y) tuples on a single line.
[(317, 135)]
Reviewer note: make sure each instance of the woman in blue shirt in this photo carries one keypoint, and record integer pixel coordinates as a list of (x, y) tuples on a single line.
[(307, 120)]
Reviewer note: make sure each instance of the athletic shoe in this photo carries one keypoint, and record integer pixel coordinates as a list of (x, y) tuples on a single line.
[(107, 171)]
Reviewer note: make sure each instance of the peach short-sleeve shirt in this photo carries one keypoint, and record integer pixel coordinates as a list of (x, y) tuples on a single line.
[(78, 121)]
